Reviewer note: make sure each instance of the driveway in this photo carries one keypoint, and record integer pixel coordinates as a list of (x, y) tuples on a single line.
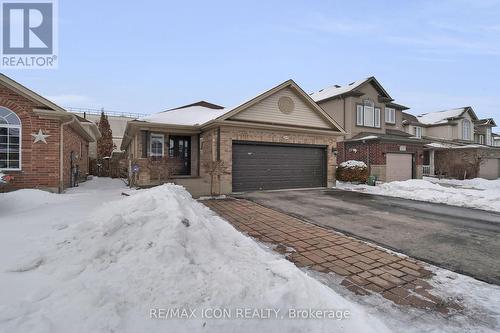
[(460, 239)]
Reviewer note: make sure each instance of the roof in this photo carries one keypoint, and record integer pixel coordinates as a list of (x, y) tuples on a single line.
[(202, 113), (407, 117), (484, 122), (391, 136), (188, 115), (442, 117), (337, 91)]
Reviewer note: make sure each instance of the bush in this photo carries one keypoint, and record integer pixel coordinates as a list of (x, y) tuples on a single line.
[(352, 171)]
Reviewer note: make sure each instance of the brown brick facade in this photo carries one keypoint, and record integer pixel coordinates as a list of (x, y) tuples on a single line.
[(374, 152), (80, 148), (40, 162)]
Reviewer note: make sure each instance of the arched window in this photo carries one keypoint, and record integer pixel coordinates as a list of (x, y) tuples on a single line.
[(10, 140), (466, 129)]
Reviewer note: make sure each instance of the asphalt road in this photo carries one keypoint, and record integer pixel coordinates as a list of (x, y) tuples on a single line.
[(460, 239)]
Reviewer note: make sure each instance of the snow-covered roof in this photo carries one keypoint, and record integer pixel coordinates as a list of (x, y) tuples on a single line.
[(369, 137), (189, 116), (336, 90), (440, 117)]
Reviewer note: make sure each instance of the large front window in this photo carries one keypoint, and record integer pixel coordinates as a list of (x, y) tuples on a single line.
[(488, 136), (466, 129), (390, 115), (157, 141), (367, 114), (10, 140), (418, 132)]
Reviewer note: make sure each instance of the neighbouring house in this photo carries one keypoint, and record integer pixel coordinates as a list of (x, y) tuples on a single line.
[(276, 140), (496, 139), (458, 144), (375, 133), (41, 144)]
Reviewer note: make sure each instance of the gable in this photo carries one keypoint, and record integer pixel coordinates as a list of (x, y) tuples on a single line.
[(268, 111)]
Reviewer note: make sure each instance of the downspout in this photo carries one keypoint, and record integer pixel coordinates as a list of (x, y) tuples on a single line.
[(61, 154)]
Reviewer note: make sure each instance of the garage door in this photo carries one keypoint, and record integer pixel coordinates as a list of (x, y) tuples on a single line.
[(398, 167), (270, 167), (489, 168)]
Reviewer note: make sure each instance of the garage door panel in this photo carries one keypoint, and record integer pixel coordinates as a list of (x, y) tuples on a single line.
[(266, 167), (489, 168), (399, 167)]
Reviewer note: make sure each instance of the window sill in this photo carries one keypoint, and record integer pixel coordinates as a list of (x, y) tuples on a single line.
[(369, 126)]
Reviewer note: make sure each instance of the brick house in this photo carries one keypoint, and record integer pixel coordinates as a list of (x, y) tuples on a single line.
[(41, 144), (375, 133), (279, 139)]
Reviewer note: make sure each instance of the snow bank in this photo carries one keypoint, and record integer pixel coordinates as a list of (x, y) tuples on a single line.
[(351, 164), (417, 189), (476, 183), (159, 248), (24, 200)]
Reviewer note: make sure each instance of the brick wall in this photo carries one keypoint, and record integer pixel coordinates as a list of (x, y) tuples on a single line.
[(73, 142), (39, 161), (373, 153)]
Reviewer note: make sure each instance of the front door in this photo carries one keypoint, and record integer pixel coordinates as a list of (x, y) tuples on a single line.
[(179, 148)]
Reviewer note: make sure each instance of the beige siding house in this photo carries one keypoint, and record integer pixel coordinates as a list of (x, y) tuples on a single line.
[(278, 139), (374, 126), (458, 143)]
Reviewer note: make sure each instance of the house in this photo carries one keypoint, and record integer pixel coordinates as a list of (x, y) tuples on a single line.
[(496, 139), (278, 139), (375, 133), (41, 145), (458, 143)]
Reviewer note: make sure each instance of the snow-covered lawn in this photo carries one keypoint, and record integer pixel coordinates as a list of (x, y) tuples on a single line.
[(474, 193), (93, 260)]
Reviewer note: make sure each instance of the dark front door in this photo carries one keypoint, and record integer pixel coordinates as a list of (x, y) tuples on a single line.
[(179, 149), (259, 166)]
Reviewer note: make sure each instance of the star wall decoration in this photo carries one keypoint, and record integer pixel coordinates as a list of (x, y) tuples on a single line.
[(40, 137)]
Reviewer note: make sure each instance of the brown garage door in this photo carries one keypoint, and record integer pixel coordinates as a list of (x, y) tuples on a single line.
[(489, 168), (259, 166), (398, 167)]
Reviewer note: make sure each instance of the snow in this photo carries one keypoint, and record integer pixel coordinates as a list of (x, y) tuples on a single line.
[(335, 90), (369, 137), (190, 116), (439, 117), (353, 164), (1, 178), (93, 260), (481, 194)]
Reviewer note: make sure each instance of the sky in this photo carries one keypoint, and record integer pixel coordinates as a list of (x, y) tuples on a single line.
[(148, 56)]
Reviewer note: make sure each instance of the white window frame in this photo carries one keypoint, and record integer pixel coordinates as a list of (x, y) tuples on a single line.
[(19, 127), (418, 132), (156, 136), (367, 115), (489, 138), (481, 139), (466, 129), (390, 115)]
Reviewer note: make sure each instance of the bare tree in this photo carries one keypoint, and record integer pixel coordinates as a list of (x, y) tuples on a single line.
[(163, 168)]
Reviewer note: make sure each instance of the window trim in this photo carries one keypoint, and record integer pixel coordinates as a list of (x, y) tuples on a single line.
[(388, 119), (418, 131), (481, 139), (489, 136), (20, 140), (469, 128), (361, 106), (157, 135)]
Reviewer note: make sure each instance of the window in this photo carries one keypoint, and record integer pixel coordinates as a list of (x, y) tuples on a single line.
[(156, 145), (390, 115), (367, 115), (488, 136), (10, 140), (481, 139), (418, 132), (466, 129)]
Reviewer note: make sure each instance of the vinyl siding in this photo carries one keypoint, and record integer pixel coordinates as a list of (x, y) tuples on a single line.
[(267, 111)]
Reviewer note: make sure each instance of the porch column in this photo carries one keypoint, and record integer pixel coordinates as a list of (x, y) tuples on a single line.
[(431, 162)]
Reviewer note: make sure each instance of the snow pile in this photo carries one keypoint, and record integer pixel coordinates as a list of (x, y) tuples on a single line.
[(423, 190), (2, 181), (352, 164), (158, 248), (476, 183), (25, 200)]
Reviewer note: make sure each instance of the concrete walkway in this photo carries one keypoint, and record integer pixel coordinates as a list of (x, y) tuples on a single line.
[(364, 268)]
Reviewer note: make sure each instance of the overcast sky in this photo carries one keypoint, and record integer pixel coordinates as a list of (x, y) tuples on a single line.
[(147, 56)]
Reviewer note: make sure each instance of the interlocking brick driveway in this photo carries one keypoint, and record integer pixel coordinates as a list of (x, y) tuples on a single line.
[(364, 268)]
